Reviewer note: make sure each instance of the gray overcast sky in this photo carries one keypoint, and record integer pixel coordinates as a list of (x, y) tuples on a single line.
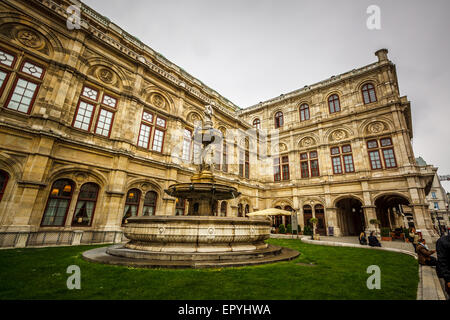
[(254, 50)]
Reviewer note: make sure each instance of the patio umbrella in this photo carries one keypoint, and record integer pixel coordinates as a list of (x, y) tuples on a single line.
[(270, 212)]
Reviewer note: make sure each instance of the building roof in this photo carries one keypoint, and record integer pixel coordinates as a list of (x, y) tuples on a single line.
[(421, 162)]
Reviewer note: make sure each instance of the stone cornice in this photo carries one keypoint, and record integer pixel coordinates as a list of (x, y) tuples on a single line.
[(317, 86), (206, 94)]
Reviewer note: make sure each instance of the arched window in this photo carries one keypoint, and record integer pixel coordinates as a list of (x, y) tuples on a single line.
[(87, 199), (304, 112), (4, 177), (240, 210), (247, 210), (320, 216), (150, 203), (307, 214), (223, 209), (58, 203), (334, 103), (279, 120), (368, 92), (131, 204), (257, 123)]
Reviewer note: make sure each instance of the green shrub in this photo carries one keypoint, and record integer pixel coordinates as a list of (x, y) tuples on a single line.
[(289, 228), (385, 232), (299, 229), (406, 232), (307, 230), (281, 228), (294, 231)]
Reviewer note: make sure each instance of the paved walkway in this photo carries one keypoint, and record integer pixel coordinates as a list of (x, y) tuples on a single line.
[(429, 286)]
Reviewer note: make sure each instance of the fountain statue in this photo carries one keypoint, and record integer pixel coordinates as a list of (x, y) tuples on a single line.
[(200, 238)]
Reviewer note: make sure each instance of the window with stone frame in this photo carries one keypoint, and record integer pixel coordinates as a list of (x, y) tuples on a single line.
[(150, 201), (381, 147), (26, 79), (86, 203), (96, 103), (304, 112), (342, 159), (334, 103), (257, 124), (131, 205), (279, 120), (58, 203), (368, 93), (187, 143)]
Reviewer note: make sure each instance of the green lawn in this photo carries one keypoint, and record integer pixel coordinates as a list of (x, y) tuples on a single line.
[(339, 273)]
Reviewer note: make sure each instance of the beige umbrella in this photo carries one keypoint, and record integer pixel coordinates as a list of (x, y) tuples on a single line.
[(270, 212)]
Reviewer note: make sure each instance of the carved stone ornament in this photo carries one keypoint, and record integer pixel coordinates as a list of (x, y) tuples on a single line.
[(307, 142), (29, 38), (282, 147), (338, 135), (158, 100), (105, 75), (376, 127)]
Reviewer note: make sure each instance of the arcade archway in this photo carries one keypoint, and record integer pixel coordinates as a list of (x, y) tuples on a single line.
[(391, 211), (350, 215)]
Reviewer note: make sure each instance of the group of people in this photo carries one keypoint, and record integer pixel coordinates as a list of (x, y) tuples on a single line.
[(372, 239), (424, 253), (442, 263)]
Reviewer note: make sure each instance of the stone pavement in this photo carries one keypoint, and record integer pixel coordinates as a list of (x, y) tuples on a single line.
[(429, 286)]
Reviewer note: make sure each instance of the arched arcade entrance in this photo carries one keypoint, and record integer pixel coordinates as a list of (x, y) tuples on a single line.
[(350, 216)]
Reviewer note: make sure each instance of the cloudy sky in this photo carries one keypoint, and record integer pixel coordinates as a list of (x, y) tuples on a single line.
[(253, 50)]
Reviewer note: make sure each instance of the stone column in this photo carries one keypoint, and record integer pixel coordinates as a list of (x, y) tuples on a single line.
[(369, 214), (113, 211), (76, 240), (332, 220)]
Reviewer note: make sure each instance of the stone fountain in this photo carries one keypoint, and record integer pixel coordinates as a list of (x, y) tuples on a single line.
[(199, 239)]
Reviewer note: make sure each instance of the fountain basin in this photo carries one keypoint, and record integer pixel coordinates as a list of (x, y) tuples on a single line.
[(196, 234)]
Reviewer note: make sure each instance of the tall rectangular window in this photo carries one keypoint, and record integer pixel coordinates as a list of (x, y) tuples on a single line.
[(276, 169), (304, 167), (314, 164), (224, 157), (144, 136), (241, 164), (106, 115), (347, 158), (86, 109), (247, 164), (158, 137), (187, 138), (337, 168), (25, 87), (84, 115), (383, 146), (285, 167)]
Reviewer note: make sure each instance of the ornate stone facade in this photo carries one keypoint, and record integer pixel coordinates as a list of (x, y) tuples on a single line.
[(90, 119)]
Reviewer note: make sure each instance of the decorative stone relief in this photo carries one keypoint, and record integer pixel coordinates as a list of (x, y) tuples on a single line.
[(376, 127), (307, 142), (29, 38), (105, 75), (338, 135), (80, 177), (158, 101)]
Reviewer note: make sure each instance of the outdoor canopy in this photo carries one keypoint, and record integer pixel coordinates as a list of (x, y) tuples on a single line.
[(270, 212)]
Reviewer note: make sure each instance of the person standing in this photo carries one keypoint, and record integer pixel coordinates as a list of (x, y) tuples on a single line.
[(414, 238), (443, 263)]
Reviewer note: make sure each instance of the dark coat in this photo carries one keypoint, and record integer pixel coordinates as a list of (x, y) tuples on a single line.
[(443, 254), (373, 242)]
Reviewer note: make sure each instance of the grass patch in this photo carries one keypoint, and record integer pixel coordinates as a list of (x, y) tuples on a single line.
[(338, 273)]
